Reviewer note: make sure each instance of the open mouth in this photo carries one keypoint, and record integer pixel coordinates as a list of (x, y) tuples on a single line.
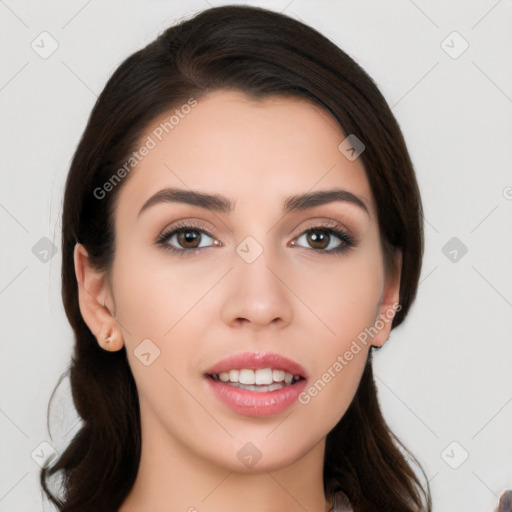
[(260, 380), (261, 391)]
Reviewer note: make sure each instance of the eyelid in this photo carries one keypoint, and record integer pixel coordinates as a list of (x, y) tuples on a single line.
[(186, 223), (333, 229), (338, 229), (321, 222)]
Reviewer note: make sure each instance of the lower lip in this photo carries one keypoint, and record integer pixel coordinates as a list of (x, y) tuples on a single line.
[(256, 403)]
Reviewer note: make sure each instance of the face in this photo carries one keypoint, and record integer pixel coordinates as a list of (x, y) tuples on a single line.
[(254, 273)]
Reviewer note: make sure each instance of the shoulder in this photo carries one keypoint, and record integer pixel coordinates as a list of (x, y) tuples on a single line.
[(341, 503)]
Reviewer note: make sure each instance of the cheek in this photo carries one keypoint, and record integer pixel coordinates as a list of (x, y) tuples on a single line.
[(337, 362), (154, 296), (329, 393), (344, 300), (343, 294), (164, 312)]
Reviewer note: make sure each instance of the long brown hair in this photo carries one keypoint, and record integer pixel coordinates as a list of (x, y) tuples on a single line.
[(261, 53)]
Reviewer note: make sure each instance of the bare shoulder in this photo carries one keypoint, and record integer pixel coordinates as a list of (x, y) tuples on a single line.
[(341, 503)]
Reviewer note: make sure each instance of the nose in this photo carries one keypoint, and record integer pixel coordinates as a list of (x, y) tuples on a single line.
[(258, 295)]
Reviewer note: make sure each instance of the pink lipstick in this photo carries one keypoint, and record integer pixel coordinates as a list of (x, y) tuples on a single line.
[(256, 384)]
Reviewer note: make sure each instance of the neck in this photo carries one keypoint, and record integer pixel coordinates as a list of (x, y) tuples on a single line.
[(172, 478)]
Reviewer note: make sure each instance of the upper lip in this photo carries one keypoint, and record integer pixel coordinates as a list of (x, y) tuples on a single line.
[(255, 360)]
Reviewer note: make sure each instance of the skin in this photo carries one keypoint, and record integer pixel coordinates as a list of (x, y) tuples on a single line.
[(308, 306)]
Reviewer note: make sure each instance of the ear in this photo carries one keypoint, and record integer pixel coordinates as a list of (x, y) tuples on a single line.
[(96, 301), (389, 301)]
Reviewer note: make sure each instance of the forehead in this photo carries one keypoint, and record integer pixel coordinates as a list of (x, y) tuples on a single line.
[(253, 151)]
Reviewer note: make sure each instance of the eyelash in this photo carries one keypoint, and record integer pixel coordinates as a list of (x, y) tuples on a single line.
[(326, 228)]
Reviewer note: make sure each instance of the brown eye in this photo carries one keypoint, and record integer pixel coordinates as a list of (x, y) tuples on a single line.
[(185, 240), (323, 239), (188, 238), (318, 239)]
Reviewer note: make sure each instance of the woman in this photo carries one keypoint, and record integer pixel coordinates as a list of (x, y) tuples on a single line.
[(242, 227)]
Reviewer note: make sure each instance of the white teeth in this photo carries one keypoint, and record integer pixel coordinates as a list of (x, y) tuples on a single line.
[(261, 389), (263, 376), (259, 377), (246, 377), (278, 375)]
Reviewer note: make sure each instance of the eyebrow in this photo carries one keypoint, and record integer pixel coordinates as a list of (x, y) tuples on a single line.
[(221, 204)]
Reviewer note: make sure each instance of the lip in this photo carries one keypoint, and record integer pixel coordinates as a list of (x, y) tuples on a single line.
[(256, 360), (256, 403)]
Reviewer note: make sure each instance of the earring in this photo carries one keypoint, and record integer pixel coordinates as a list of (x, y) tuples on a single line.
[(108, 342)]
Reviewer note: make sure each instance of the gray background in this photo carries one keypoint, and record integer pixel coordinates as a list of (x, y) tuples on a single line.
[(444, 376)]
